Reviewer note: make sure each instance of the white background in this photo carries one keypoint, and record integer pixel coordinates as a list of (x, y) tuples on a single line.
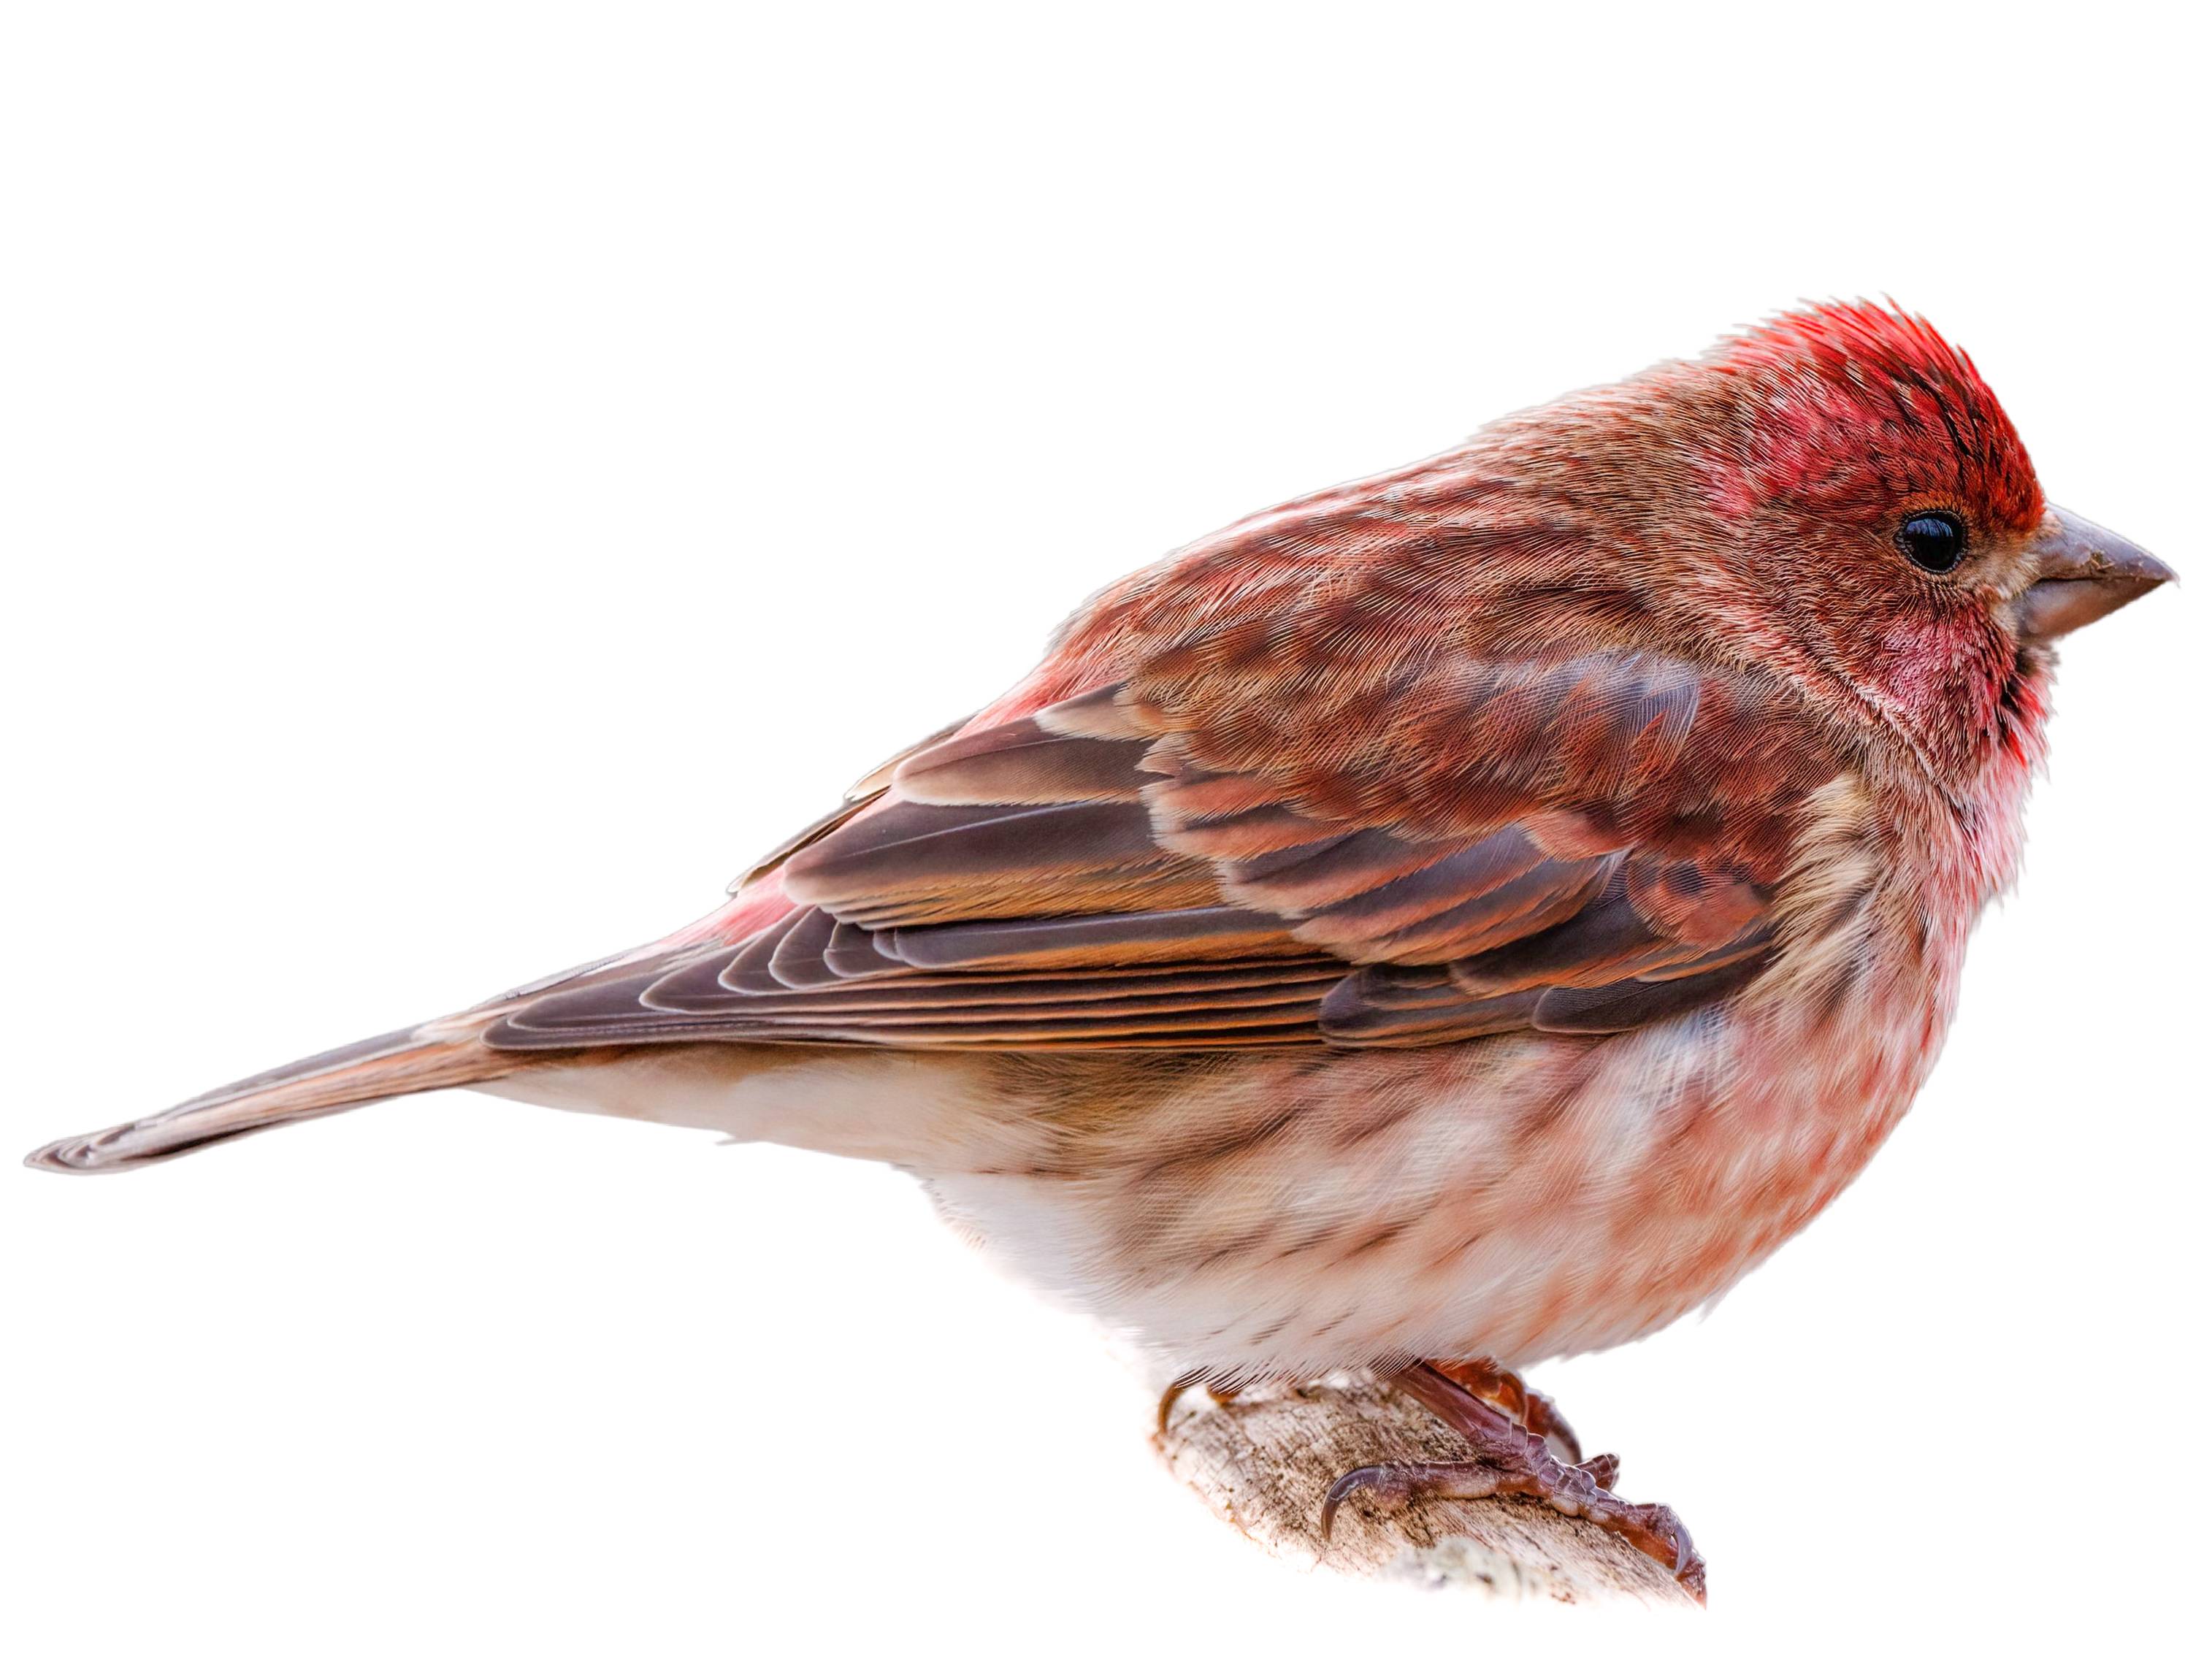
[(472, 477)]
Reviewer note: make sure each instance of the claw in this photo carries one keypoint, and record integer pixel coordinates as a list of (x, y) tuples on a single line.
[(1341, 1488), (1372, 1477), (1657, 1531), (1175, 1391), (1685, 1551), (1217, 1393)]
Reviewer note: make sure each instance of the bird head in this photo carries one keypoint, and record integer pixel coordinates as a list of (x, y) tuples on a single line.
[(1871, 518)]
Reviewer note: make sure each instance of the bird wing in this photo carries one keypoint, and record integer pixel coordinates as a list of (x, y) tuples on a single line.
[(1214, 851)]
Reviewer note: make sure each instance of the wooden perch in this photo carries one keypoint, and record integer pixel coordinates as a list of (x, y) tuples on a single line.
[(1265, 1459)]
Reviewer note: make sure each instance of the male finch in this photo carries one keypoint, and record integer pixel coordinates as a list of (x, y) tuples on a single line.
[(1461, 917)]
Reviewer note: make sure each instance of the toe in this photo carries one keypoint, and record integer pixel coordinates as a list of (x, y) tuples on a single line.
[(1604, 1468)]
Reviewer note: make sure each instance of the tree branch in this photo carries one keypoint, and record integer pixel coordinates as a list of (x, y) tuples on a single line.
[(1265, 1459)]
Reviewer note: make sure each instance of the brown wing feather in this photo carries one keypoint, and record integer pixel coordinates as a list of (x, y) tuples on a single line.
[(1579, 844)]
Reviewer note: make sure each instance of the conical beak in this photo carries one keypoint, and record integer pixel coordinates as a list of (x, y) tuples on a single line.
[(2083, 572)]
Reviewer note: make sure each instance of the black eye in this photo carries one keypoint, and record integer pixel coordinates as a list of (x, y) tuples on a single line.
[(1934, 541)]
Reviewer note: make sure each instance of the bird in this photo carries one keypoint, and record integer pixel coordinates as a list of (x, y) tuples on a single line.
[(1456, 919)]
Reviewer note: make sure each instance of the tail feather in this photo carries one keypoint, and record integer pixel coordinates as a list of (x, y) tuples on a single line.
[(443, 1054)]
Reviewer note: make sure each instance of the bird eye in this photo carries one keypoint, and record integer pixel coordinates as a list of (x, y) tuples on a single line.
[(1934, 541)]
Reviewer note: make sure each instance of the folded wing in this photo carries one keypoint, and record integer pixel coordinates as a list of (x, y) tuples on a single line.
[(1465, 845)]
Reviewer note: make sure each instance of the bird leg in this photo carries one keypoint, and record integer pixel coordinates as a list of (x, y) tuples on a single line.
[(1514, 1460), (1534, 1411)]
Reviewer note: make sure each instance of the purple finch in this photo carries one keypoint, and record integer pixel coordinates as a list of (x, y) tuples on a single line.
[(1461, 917)]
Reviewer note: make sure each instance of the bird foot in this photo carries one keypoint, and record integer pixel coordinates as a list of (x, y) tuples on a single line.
[(1516, 1461), (1504, 1389)]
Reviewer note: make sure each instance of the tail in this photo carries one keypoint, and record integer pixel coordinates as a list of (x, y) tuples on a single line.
[(442, 1055)]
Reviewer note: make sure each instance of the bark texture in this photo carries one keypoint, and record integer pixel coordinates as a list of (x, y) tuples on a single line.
[(1265, 1459)]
